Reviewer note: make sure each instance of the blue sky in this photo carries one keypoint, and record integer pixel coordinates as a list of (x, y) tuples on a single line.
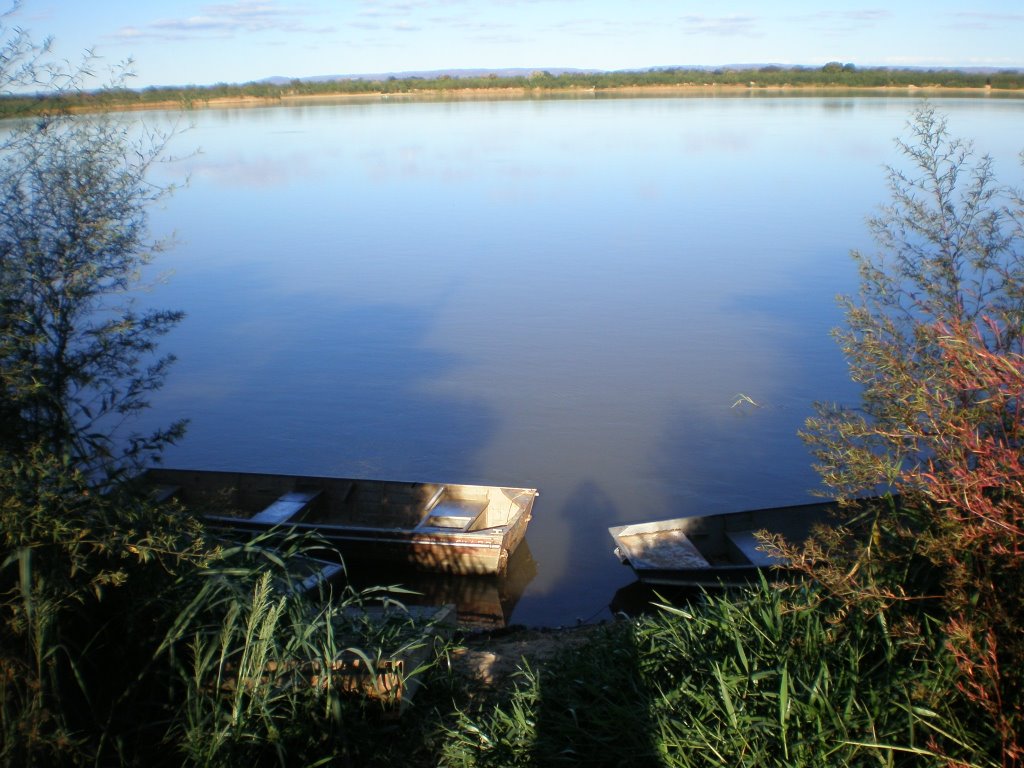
[(194, 41)]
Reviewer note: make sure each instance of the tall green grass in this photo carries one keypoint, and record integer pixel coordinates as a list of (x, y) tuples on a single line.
[(84, 579), (766, 678), (257, 666)]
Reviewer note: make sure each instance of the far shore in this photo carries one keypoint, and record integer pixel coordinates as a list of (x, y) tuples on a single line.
[(520, 93)]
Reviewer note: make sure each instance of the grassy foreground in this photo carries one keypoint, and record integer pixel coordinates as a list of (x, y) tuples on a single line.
[(765, 678), (130, 638), (120, 647)]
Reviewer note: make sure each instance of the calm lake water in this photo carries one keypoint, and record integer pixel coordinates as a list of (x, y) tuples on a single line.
[(570, 295)]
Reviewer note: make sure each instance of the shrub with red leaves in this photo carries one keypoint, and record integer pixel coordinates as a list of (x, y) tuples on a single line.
[(936, 339)]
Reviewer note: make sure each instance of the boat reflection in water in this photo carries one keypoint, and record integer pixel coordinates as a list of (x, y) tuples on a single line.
[(482, 602)]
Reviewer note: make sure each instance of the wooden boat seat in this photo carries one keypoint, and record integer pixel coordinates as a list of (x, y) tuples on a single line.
[(748, 545), (661, 549), (451, 514), (286, 507)]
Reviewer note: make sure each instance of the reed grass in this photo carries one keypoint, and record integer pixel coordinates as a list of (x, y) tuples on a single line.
[(766, 678), (259, 666)]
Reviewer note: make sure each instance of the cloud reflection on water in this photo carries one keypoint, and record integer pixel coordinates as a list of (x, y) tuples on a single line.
[(567, 295)]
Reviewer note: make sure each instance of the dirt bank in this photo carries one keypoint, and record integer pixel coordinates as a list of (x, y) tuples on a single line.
[(488, 660)]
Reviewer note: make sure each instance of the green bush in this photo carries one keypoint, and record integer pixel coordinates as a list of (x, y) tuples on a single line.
[(86, 578)]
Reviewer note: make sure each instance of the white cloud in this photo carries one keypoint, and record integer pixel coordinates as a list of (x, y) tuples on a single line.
[(384, 8), (986, 20), (224, 20), (726, 26)]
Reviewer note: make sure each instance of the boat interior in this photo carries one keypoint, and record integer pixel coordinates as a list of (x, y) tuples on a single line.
[(671, 549), (715, 540), (280, 499)]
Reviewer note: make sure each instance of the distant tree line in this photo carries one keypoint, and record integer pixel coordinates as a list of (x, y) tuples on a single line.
[(832, 74)]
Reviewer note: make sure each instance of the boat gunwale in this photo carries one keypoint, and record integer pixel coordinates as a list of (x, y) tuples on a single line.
[(331, 478)]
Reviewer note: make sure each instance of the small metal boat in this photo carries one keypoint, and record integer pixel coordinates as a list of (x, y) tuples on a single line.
[(713, 550), (444, 528)]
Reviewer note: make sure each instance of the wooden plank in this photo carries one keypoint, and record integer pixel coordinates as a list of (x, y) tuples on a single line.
[(661, 549), (286, 507), (452, 515), (391, 681)]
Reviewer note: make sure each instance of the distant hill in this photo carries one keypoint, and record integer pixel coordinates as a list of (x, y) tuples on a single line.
[(455, 74)]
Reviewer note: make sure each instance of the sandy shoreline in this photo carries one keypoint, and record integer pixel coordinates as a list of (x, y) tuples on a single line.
[(520, 93)]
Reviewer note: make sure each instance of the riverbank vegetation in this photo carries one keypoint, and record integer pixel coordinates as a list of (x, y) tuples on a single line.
[(935, 337), (832, 75), (130, 635)]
